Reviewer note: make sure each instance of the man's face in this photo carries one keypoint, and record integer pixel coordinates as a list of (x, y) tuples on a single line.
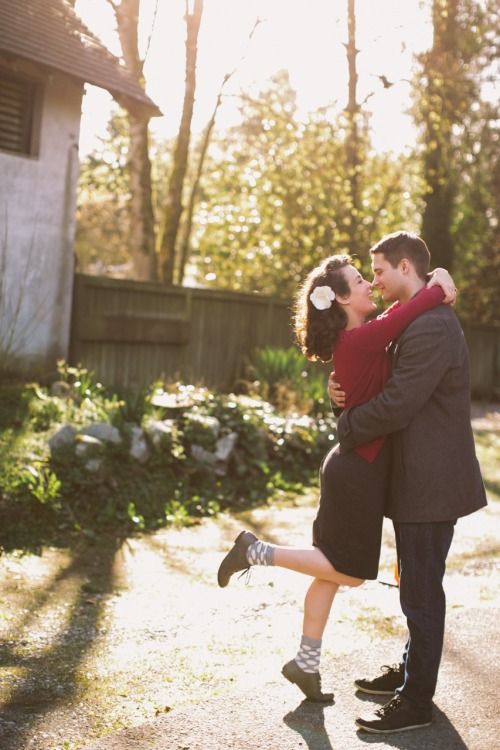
[(388, 280)]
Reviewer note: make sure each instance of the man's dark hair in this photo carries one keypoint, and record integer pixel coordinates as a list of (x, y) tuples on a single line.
[(399, 245)]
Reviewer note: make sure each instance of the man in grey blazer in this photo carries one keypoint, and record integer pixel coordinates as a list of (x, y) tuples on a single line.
[(425, 407)]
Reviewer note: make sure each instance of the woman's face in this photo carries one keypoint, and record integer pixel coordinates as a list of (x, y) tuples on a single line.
[(359, 298)]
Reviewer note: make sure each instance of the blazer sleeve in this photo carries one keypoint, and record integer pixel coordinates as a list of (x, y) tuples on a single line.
[(424, 357)]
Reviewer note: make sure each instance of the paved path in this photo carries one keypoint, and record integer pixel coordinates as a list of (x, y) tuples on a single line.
[(273, 718)]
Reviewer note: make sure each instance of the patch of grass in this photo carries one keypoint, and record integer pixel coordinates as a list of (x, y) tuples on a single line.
[(482, 556), (385, 626)]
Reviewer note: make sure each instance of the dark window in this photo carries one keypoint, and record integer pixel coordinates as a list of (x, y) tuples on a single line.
[(19, 115)]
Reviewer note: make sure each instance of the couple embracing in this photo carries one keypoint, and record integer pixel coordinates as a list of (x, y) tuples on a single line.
[(401, 388)]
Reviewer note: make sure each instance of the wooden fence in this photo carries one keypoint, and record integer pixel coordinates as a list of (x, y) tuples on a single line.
[(131, 333), (483, 342)]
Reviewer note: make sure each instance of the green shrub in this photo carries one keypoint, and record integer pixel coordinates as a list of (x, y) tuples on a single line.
[(286, 379), (14, 404), (80, 381), (44, 412), (53, 497)]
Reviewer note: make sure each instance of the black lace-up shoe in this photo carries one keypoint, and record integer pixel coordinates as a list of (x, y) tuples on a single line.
[(392, 678), (236, 559), (398, 715), (309, 683)]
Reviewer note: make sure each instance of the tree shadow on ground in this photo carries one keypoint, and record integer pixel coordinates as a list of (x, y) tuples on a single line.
[(44, 673)]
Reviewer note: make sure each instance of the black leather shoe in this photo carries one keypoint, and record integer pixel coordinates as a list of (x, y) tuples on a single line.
[(310, 684), (398, 715), (236, 559), (386, 683)]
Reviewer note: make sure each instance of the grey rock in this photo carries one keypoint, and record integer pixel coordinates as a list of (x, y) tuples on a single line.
[(225, 446), (139, 448), (103, 431), (206, 457), (85, 442), (156, 429), (65, 436)]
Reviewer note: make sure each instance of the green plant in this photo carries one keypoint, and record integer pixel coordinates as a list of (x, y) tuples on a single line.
[(80, 380), (43, 484), (14, 404), (288, 380), (129, 405), (272, 366), (44, 411)]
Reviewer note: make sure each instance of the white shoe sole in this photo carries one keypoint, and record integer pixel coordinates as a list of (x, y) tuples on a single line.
[(370, 691), (391, 731)]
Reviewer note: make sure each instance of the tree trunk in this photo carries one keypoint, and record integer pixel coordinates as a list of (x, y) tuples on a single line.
[(186, 234), (143, 247), (442, 111), (352, 141), (173, 202), (142, 240)]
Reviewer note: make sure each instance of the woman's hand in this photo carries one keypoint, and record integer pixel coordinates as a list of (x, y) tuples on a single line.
[(442, 278)]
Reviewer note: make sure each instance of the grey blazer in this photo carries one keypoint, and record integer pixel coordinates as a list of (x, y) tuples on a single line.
[(425, 406)]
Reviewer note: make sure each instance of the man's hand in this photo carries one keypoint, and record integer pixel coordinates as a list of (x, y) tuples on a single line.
[(442, 278), (335, 392)]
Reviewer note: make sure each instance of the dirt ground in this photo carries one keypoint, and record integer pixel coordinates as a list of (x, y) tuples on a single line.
[(109, 648)]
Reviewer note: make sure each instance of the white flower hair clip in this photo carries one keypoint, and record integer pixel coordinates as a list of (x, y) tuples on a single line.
[(322, 297)]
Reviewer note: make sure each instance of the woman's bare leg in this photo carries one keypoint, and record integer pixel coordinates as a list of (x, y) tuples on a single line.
[(312, 562), (248, 550), (303, 670), (317, 605)]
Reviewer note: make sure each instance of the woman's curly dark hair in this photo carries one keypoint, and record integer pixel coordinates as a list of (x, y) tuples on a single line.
[(316, 331)]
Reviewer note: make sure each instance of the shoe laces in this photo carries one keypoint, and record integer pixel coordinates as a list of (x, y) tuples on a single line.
[(248, 573), (391, 668), (389, 708)]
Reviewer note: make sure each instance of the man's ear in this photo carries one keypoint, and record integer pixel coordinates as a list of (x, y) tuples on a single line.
[(405, 266)]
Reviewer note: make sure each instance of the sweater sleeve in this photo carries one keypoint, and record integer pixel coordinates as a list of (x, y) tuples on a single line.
[(424, 359), (377, 334)]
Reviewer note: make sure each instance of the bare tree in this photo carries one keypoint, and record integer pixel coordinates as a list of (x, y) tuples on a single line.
[(186, 234), (353, 114), (142, 241), (173, 202)]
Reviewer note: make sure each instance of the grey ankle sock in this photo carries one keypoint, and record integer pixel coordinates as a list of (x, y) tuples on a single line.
[(260, 553), (309, 654)]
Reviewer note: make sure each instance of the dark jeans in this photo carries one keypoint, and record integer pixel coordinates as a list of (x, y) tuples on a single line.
[(422, 549)]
